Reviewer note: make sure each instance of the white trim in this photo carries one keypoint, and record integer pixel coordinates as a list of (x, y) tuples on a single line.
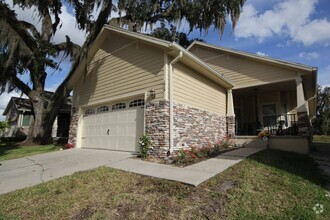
[(265, 83), (301, 102), (144, 111), (171, 99), (79, 127), (136, 35), (256, 57), (165, 76), (230, 103)]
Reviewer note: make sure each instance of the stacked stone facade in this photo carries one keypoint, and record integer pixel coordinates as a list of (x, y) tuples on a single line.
[(231, 126), (195, 127), (192, 127), (73, 129), (157, 126)]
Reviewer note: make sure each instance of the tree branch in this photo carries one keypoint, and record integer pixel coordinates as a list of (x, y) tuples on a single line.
[(22, 86), (69, 48)]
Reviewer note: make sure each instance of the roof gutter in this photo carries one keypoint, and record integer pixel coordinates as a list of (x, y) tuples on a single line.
[(171, 100)]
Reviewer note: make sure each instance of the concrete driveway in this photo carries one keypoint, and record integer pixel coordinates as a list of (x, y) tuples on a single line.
[(29, 171), (32, 170)]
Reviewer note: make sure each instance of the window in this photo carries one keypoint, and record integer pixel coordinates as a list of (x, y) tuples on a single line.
[(103, 109), (269, 115), (26, 120), (137, 102), (89, 112), (118, 106)]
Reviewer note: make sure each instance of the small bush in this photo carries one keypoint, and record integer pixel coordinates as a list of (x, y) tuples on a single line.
[(68, 146), (145, 146), (194, 154)]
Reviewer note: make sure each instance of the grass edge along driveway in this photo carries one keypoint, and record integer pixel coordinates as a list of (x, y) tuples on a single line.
[(268, 185), (12, 150)]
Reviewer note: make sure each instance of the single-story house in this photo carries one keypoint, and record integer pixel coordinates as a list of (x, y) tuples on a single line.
[(138, 84), (18, 114)]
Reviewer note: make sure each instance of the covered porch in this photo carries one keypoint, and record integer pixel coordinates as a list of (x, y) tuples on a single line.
[(274, 107)]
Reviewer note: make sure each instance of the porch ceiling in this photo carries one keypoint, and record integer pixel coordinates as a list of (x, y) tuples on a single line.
[(281, 86)]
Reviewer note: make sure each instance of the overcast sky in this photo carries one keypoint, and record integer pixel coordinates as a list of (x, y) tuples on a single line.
[(293, 30)]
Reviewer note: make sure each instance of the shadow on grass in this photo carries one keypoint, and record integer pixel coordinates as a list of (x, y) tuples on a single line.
[(321, 147), (299, 165), (7, 146)]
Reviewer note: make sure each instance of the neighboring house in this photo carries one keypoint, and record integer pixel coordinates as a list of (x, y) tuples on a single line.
[(18, 115), (137, 84)]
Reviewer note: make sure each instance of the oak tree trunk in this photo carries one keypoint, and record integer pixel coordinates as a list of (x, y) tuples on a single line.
[(44, 112)]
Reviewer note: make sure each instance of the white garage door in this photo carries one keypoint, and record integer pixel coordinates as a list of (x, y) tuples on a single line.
[(113, 127)]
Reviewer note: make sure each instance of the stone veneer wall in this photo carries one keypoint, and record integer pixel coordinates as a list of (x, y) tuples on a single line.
[(73, 129), (231, 126), (157, 126), (195, 127), (192, 127)]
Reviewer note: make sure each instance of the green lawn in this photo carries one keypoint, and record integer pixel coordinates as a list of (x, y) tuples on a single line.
[(321, 139), (11, 150), (268, 185)]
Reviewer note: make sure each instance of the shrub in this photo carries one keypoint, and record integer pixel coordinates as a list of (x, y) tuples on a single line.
[(184, 156), (188, 156), (68, 146), (206, 151), (3, 126), (145, 146)]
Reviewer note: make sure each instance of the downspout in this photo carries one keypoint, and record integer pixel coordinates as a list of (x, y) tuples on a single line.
[(171, 98)]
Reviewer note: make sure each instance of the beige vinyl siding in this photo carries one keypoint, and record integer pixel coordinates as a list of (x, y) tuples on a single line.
[(192, 89), (120, 67), (243, 72)]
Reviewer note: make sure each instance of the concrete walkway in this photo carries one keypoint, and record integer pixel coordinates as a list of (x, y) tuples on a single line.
[(24, 172), (194, 174)]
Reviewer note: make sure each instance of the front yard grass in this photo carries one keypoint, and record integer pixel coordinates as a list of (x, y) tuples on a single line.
[(12, 150), (268, 185), (321, 139)]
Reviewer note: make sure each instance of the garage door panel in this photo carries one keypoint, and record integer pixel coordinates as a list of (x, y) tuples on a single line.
[(122, 117), (113, 131), (131, 131), (114, 117), (121, 131), (125, 127), (131, 116)]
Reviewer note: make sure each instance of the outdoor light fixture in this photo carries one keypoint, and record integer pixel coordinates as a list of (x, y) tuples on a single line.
[(152, 93)]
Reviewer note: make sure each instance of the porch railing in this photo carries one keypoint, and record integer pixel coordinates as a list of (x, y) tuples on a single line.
[(281, 124)]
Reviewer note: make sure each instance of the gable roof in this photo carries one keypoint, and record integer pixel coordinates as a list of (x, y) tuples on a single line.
[(309, 73), (256, 57), (172, 49), (23, 104)]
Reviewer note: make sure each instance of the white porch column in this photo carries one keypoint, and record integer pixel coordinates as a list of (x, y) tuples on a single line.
[(303, 121), (230, 103), (301, 106), (54, 129), (230, 114)]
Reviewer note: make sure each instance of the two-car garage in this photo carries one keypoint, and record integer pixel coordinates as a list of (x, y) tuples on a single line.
[(114, 126)]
